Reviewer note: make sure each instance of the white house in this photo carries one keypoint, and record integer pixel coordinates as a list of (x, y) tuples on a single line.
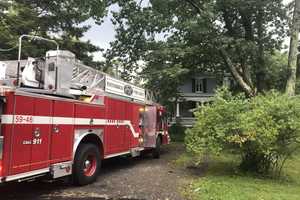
[(196, 91)]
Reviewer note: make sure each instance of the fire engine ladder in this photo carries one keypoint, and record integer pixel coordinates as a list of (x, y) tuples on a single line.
[(86, 80), (89, 81)]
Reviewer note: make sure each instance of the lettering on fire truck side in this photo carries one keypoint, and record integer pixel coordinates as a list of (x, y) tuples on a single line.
[(36, 141), (20, 119)]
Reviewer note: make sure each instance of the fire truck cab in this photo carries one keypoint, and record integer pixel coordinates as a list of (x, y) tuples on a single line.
[(61, 118)]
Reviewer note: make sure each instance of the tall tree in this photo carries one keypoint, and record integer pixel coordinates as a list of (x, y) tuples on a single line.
[(177, 38), (293, 53), (56, 19)]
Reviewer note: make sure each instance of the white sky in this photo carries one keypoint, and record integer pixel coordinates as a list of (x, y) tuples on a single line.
[(105, 33), (101, 35)]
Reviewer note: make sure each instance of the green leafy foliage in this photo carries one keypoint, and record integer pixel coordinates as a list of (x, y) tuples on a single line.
[(176, 39), (264, 130), (59, 20), (276, 65)]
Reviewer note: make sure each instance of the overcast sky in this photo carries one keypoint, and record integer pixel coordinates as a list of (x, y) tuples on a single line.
[(102, 35)]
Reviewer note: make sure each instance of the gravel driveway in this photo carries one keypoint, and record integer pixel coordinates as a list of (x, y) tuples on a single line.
[(120, 179)]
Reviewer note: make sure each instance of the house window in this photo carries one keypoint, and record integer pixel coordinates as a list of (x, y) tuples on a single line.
[(199, 85)]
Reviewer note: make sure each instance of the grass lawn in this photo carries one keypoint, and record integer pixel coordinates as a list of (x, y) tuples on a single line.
[(223, 181)]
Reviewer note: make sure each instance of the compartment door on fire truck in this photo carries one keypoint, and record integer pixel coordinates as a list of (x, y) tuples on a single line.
[(62, 131), (149, 126), (115, 131), (41, 129), (30, 135)]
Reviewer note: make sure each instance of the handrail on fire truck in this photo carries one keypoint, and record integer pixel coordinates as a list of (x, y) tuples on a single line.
[(63, 75), (33, 37)]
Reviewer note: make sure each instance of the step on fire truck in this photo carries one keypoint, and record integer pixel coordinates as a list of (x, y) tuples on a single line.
[(61, 118)]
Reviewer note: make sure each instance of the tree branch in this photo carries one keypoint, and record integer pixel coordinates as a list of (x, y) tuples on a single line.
[(197, 8)]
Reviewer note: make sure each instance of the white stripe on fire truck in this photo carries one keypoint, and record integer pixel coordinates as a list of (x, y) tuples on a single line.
[(29, 119)]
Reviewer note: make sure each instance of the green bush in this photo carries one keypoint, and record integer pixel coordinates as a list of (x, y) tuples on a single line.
[(264, 130)]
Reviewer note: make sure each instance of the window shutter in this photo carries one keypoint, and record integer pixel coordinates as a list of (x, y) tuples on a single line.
[(204, 85), (193, 85)]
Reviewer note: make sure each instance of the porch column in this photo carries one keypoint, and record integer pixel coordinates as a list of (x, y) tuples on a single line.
[(177, 109), (201, 103)]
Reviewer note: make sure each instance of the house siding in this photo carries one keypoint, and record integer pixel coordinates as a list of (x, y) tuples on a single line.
[(187, 86), (211, 85), (189, 100)]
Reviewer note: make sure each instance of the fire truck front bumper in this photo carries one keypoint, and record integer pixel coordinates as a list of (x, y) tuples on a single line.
[(166, 137)]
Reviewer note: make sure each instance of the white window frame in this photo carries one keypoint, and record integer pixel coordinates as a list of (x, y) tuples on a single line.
[(199, 85)]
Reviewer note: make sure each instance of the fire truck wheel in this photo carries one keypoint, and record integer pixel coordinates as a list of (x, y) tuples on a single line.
[(156, 150), (86, 164)]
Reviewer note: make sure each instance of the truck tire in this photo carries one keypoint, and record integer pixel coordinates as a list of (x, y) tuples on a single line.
[(86, 165), (156, 150)]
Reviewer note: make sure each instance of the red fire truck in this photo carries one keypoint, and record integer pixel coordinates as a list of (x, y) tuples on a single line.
[(61, 118)]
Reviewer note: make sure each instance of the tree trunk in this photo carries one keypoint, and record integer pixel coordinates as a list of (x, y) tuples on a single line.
[(261, 66), (292, 62), (237, 76), (247, 75)]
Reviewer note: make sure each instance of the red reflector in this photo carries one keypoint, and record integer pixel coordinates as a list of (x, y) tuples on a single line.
[(15, 82), (1, 168)]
